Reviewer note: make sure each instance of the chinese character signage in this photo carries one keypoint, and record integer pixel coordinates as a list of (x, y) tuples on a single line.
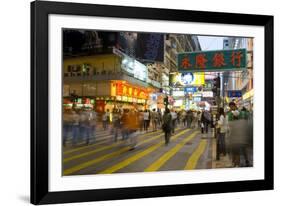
[(234, 93), (120, 89), (220, 60)]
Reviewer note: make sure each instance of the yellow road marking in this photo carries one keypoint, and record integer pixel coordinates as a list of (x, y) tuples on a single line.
[(99, 143), (137, 156), (168, 155), (192, 161), (83, 147), (104, 157), (104, 148), (94, 161)]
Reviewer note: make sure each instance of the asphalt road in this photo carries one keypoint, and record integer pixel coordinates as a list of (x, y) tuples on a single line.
[(188, 149)]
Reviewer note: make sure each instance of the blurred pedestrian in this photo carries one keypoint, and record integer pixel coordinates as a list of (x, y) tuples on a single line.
[(123, 121), (159, 117), (141, 120), (154, 119), (240, 138), (223, 129), (105, 119), (189, 118), (167, 125), (205, 121), (174, 120), (146, 120), (116, 124), (84, 123), (183, 117), (132, 125), (93, 124), (195, 118), (244, 113), (75, 126), (67, 132)]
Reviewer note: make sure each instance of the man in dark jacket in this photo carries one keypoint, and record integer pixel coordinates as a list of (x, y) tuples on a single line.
[(205, 120), (167, 125)]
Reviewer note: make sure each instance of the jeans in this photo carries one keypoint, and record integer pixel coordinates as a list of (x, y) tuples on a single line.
[(115, 133), (93, 132), (125, 134), (85, 132), (146, 124), (206, 125), (75, 134), (104, 124), (66, 132)]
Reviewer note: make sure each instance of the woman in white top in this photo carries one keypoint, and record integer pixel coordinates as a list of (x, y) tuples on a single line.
[(223, 127)]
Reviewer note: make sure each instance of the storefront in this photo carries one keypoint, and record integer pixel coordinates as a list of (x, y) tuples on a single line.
[(129, 96), (69, 102), (106, 95), (248, 99)]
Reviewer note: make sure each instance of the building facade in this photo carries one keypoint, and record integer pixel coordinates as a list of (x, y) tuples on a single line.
[(240, 80)]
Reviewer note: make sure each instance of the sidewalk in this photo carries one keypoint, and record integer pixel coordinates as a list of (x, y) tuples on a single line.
[(224, 162)]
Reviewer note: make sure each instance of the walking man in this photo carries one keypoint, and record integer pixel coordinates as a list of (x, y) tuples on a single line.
[(167, 125)]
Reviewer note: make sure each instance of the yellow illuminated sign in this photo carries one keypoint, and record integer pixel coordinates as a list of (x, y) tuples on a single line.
[(179, 79), (248, 94), (199, 78)]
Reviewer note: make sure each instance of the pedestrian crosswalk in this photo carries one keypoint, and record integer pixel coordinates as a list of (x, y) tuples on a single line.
[(168, 155), (192, 161), (185, 149)]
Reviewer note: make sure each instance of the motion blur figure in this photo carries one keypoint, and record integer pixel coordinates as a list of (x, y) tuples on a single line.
[(241, 136), (75, 126), (93, 124), (67, 125), (174, 120), (154, 119), (116, 124), (132, 124), (167, 125), (146, 120), (105, 119), (84, 122)]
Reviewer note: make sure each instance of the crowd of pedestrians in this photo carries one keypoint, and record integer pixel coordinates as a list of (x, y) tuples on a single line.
[(80, 124), (233, 129)]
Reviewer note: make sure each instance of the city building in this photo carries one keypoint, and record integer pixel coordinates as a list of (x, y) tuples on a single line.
[(103, 77), (240, 80), (174, 44)]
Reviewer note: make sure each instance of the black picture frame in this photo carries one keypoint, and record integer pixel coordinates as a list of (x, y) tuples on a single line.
[(39, 102)]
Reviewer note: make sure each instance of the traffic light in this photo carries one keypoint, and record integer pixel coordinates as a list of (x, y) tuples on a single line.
[(218, 82), (216, 86)]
